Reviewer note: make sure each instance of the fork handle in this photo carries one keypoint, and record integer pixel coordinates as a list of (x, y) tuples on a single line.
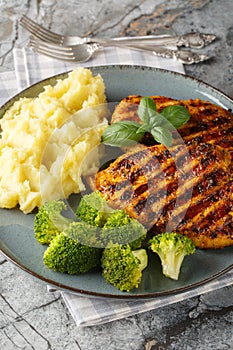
[(192, 40), (183, 56)]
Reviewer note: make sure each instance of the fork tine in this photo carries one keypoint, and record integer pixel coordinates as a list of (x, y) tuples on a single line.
[(53, 55), (63, 53), (27, 21), (39, 31), (50, 46)]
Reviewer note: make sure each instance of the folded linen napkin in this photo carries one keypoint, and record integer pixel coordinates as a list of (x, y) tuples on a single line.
[(30, 68)]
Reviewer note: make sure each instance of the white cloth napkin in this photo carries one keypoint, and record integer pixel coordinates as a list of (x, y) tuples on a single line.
[(30, 68)]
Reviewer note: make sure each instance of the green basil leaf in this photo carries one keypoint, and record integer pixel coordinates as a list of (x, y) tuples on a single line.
[(143, 128), (122, 133), (160, 125), (176, 115), (158, 120), (146, 109), (162, 135)]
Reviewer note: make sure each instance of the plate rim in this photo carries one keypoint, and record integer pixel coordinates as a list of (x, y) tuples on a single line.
[(78, 291)]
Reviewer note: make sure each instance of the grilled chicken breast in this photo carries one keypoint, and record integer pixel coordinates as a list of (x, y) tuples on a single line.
[(186, 188)]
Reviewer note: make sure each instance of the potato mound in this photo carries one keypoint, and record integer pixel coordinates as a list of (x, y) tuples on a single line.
[(49, 141)]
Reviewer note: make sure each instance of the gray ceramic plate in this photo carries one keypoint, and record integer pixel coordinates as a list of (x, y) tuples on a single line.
[(17, 241)]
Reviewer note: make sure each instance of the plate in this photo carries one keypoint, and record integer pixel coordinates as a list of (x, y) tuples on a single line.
[(17, 240)]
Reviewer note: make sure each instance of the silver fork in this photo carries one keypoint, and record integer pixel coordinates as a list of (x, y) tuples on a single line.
[(192, 40), (83, 52)]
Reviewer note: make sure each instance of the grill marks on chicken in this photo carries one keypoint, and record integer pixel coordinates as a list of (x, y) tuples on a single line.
[(151, 188), (212, 226), (186, 188)]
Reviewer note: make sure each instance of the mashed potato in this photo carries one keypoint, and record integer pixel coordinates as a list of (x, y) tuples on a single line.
[(48, 142)]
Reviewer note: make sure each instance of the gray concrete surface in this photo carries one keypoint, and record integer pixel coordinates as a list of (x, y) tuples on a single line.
[(30, 318)]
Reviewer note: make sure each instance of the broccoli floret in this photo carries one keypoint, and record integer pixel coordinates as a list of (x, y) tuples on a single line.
[(84, 233), (122, 229), (118, 229), (93, 209), (66, 254), (49, 222), (171, 249), (122, 267)]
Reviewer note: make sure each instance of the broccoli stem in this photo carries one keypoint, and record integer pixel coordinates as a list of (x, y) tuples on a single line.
[(172, 264), (142, 256)]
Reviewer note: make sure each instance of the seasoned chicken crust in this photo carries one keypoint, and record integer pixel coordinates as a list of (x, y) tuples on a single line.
[(186, 188)]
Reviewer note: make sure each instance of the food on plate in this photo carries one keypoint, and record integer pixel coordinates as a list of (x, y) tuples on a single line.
[(148, 190), (45, 139), (186, 188), (171, 248), (49, 221), (118, 247), (208, 122), (185, 184), (122, 266), (120, 228), (66, 253), (161, 126), (117, 226), (76, 245), (93, 209)]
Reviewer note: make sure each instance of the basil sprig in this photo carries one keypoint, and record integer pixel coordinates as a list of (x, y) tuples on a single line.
[(160, 125)]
